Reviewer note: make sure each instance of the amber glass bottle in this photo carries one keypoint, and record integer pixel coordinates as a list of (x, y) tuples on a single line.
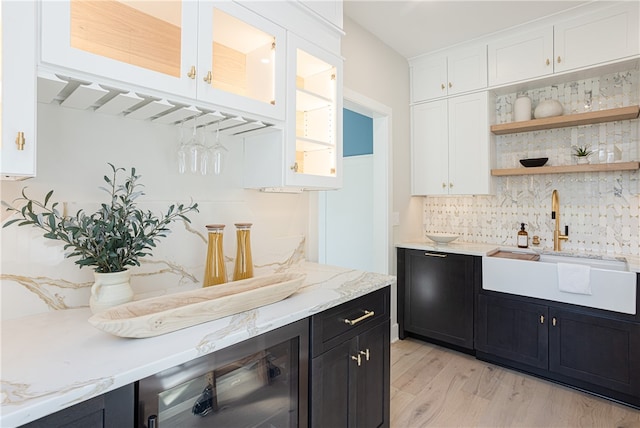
[(215, 271), (244, 263)]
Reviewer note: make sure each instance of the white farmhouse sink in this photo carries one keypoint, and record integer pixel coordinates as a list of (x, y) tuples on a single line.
[(613, 287)]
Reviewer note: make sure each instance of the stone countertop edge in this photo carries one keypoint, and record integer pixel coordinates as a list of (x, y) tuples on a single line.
[(55, 360), (482, 249)]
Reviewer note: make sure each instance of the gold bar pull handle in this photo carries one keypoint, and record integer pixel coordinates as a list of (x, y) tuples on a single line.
[(554, 321), (367, 314), (365, 353), (208, 78), (442, 256), (20, 141), (357, 358), (541, 319)]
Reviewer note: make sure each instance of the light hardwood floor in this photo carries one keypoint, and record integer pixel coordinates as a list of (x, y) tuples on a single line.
[(435, 387)]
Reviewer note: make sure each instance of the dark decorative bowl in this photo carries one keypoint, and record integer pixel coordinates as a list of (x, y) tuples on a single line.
[(529, 163)]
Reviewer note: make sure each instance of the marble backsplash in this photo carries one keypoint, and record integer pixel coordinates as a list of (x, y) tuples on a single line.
[(602, 209), (73, 149)]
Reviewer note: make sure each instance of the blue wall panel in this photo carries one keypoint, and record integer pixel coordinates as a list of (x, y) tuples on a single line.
[(357, 138)]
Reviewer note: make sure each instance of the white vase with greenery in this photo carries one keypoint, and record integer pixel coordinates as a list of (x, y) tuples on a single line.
[(110, 240)]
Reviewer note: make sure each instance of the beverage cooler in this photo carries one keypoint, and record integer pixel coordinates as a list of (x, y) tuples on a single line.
[(261, 382)]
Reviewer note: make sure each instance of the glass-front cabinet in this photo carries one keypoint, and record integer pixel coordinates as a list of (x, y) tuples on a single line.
[(218, 52), (18, 89), (241, 59), (314, 152), (148, 43)]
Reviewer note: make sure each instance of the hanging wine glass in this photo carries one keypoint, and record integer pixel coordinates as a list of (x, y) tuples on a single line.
[(196, 150), (206, 157), (219, 153), (182, 151)]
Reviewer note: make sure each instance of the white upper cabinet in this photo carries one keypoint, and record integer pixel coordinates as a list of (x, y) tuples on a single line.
[(521, 56), (450, 146), (149, 44), (587, 40), (456, 71), (217, 52), (430, 148), (598, 37), (241, 59), (311, 143), (18, 89)]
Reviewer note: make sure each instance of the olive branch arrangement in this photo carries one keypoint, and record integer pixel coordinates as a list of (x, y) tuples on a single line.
[(114, 237)]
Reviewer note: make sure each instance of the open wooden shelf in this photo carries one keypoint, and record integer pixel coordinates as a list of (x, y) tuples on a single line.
[(588, 118), (618, 166)]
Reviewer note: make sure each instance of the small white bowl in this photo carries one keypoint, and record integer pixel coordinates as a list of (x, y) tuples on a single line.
[(442, 238)]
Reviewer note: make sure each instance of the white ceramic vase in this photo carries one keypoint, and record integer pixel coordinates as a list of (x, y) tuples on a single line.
[(522, 108), (582, 160), (110, 289), (548, 108)]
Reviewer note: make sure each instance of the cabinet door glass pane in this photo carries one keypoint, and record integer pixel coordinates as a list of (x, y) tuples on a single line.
[(141, 33), (257, 390), (315, 115), (243, 58)]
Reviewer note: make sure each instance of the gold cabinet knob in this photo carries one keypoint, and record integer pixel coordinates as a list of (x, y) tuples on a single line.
[(450, 185), (208, 78), (548, 62), (450, 85), (559, 59), (294, 167), (442, 86), (444, 185), (192, 72), (541, 319), (20, 140)]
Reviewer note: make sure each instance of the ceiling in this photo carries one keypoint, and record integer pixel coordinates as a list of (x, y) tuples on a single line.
[(413, 27)]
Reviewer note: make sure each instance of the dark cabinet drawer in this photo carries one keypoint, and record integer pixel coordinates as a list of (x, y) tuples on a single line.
[(333, 326)]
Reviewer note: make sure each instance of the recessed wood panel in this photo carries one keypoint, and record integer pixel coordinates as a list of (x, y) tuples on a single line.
[(114, 30), (229, 69)]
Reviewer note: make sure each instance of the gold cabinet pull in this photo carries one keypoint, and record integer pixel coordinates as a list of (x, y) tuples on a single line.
[(192, 72), (559, 59), (442, 256), (450, 185), (553, 321), (208, 78), (20, 140), (444, 185), (365, 353), (548, 62), (367, 314), (442, 86), (357, 358), (294, 167), (541, 319), (450, 85)]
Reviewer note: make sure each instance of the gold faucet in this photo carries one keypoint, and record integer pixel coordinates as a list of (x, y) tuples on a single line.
[(555, 214)]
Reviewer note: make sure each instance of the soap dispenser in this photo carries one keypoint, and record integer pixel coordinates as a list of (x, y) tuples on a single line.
[(523, 237)]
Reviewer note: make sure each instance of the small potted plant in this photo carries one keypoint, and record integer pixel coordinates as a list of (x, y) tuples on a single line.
[(582, 154), (110, 240)]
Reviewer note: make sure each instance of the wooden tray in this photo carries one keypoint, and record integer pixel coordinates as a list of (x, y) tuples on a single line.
[(164, 314), (515, 255)]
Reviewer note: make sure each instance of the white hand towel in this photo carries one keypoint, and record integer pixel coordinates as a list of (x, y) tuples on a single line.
[(574, 278)]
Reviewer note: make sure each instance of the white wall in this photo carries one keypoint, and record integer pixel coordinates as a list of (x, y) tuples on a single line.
[(375, 70), (73, 150)]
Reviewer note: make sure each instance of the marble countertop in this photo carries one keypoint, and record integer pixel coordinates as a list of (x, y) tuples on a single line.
[(52, 361), (481, 249)]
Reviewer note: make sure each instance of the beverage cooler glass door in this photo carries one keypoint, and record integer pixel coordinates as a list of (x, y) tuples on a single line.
[(261, 382)]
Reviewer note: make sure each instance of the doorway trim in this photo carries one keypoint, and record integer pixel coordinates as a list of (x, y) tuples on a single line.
[(381, 115)]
